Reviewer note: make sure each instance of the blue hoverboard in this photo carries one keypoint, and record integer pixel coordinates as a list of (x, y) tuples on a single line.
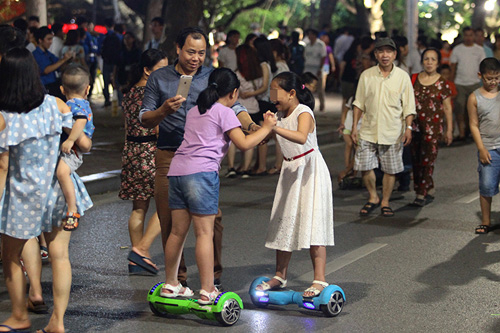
[(330, 301), (226, 308)]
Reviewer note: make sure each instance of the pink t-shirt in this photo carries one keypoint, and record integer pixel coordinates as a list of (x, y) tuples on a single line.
[(205, 141)]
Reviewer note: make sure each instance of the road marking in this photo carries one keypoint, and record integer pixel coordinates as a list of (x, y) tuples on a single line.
[(345, 260), (468, 198)]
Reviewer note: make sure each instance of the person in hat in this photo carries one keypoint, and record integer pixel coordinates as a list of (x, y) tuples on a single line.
[(385, 97)]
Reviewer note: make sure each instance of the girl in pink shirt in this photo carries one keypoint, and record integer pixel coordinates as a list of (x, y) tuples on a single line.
[(194, 178)]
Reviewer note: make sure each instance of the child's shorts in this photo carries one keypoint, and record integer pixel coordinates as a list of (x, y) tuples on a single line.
[(198, 193), (489, 174), (74, 159)]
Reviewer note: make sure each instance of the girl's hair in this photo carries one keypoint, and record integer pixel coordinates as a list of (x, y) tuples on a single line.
[(431, 49), (149, 59), (288, 81), (249, 37), (72, 38), (221, 82), (21, 89), (281, 50), (248, 62), (265, 52)]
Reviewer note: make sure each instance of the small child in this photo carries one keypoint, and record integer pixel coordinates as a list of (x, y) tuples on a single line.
[(446, 74), (484, 120), (75, 86), (302, 214), (194, 178)]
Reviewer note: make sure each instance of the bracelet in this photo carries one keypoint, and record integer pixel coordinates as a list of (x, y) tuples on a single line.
[(409, 127), (249, 126)]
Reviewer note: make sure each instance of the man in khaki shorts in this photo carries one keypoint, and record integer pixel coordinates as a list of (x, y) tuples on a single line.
[(385, 97)]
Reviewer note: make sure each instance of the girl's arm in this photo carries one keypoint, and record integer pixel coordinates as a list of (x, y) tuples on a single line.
[(306, 126), (265, 83), (245, 142), (484, 155), (4, 170)]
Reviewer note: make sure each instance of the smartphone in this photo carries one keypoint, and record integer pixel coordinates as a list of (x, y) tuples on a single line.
[(184, 84)]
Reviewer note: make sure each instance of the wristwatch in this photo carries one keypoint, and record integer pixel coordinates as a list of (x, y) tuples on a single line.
[(409, 127)]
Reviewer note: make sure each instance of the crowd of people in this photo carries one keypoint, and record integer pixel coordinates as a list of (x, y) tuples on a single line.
[(397, 108)]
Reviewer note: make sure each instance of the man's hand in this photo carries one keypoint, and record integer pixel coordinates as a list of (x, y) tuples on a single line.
[(354, 135), (66, 146), (173, 104), (407, 137), (484, 156)]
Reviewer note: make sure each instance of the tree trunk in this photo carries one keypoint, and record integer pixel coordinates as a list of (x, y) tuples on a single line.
[(326, 9), (37, 8), (479, 15), (362, 17), (179, 15), (154, 9)]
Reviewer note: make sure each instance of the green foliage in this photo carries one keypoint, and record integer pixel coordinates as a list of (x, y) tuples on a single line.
[(394, 15), (342, 17), (272, 18)]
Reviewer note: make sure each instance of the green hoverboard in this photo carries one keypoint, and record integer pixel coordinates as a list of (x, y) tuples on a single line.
[(226, 308)]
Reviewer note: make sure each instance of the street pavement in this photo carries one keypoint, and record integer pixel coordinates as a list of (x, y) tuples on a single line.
[(423, 270)]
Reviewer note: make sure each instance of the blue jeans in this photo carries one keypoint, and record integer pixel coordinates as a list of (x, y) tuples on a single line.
[(198, 193), (107, 71), (489, 174)]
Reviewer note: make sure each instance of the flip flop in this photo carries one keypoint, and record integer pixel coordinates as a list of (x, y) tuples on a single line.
[(141, 261), (418, 203), (18, 330), (134, 269), (387, 212), (368, 207), (482, 229)]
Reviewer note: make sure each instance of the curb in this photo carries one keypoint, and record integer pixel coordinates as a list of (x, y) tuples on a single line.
[(108, 181)]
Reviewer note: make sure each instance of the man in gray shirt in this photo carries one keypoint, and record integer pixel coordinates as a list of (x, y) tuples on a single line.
[(161, 107)]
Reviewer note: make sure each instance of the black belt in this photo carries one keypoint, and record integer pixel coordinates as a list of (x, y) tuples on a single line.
[(142, 139)]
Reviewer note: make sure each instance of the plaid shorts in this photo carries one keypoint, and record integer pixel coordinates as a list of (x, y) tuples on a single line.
[(368, 154)]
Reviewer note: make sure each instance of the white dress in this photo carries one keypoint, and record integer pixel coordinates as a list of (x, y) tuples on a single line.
[(302, 213)]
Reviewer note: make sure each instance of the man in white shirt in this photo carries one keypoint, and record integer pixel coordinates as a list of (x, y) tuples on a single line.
[(465, 59), (342, 44), (157, 26), (58, 40), (227, 53), (385, 98)]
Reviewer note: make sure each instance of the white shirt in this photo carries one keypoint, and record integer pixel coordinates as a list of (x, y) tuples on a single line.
[(314, 54), (467, 59), (342, 44), (56, 47), (228, 57)]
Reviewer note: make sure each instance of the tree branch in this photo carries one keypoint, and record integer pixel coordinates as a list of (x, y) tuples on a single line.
[(239, 10), (349, 7)]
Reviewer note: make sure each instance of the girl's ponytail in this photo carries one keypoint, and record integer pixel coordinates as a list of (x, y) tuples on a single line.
[(289, 80), (221, 82)]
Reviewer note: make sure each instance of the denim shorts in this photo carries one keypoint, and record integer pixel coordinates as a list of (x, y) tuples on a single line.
[(198, 193), (489, 174)]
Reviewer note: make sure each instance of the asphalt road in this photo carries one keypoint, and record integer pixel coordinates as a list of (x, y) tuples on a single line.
[(423, 270)]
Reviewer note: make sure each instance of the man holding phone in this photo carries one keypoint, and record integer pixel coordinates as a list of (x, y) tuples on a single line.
[(161, 106)]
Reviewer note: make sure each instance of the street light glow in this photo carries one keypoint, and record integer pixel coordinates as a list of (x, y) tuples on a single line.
[(489, 5)]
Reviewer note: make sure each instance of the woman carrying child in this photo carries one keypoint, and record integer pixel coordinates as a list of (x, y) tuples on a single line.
[(194, 178), (302, 214)]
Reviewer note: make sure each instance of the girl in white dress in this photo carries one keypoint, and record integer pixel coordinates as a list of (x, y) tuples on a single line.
[(302, 214)]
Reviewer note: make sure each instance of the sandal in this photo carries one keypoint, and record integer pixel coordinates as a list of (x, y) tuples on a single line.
[(72, 221), (171, 291), (418, 203), (211, 296), (274, 171), (44, 253), (428, 199), (482, 229), (315, 290), (387, 212), (368, 208), (267, 286)]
